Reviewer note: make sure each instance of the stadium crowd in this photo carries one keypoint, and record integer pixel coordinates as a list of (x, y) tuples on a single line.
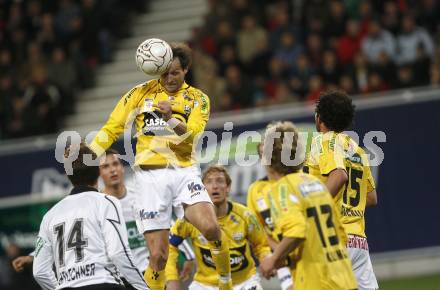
[(49, 50), (247, 53), (257, 53)]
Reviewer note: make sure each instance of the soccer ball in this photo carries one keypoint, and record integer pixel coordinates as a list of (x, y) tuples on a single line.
[(154, 56)]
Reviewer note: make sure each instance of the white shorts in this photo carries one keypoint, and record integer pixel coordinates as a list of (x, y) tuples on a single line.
[(253, 283), (160, 191), (360, 259), (285, 278)]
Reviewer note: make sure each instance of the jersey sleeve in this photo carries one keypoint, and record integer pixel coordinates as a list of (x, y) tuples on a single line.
[(332, 156), (124, 111), (250, 202), (116, 241), (257, 236), (199, 116), (371, 185), (43, 260), (292, 223)]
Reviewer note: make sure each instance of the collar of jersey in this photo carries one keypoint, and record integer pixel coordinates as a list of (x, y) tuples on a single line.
[(82, 188), (230, 205), (183, 87)]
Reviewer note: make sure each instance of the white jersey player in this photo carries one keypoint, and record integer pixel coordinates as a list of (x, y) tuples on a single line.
[(82, 243), (112, 173)]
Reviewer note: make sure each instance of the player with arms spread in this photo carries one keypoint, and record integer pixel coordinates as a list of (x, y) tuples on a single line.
[(304, 211), (240, 226), (84, 237), (169, 115), (339, 162)]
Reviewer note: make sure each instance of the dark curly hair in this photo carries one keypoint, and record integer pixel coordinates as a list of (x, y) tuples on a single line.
[(336, 110), (183, 53)]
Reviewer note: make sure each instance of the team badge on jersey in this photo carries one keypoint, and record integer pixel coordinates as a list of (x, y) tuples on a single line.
[(148, 106), (261, 203), (238, 237), (187, 109), (233, 219)]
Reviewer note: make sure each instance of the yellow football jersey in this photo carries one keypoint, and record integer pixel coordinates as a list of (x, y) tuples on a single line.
[(257, 202), (302, 207), (330, 151), (157, 143), (243, 233)]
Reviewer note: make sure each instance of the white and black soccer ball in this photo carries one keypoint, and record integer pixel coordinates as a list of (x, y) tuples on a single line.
[(154, 56)]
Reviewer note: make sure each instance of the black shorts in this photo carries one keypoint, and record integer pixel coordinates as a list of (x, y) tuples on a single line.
[(103, 286)]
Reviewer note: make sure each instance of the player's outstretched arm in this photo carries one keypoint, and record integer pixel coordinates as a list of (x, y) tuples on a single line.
[(113, 128)]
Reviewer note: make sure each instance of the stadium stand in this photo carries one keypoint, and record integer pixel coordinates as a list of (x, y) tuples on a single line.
[(257, 53), (48, 52)]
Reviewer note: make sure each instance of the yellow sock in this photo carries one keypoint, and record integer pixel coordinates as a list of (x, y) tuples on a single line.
[(220, 256), (155, 279)]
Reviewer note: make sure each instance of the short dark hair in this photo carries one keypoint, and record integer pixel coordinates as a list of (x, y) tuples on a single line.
[(336, 110), (82, 175), (183, 53)]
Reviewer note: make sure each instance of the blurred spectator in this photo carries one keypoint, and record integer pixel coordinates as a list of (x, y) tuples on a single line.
[(228, 56), (391, 17), (376, 84), (62, 73), (378, 41), (314, 49), (225, 35), (248, 38), (346, 84), (335, 26), (280, 24), (349, 44), (410, 40), (239, 87), (360, 72), (386, 68), (429, 15), (405, 77), (301, 75), (330, 71), (41, 100), (315, 89), (289, 49)]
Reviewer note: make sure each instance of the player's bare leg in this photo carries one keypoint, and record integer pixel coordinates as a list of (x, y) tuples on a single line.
[(157, 242), (203, 217)]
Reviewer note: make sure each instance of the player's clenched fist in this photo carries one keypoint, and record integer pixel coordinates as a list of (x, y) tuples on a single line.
[(21, 262), (267, 267), (165, 108)]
